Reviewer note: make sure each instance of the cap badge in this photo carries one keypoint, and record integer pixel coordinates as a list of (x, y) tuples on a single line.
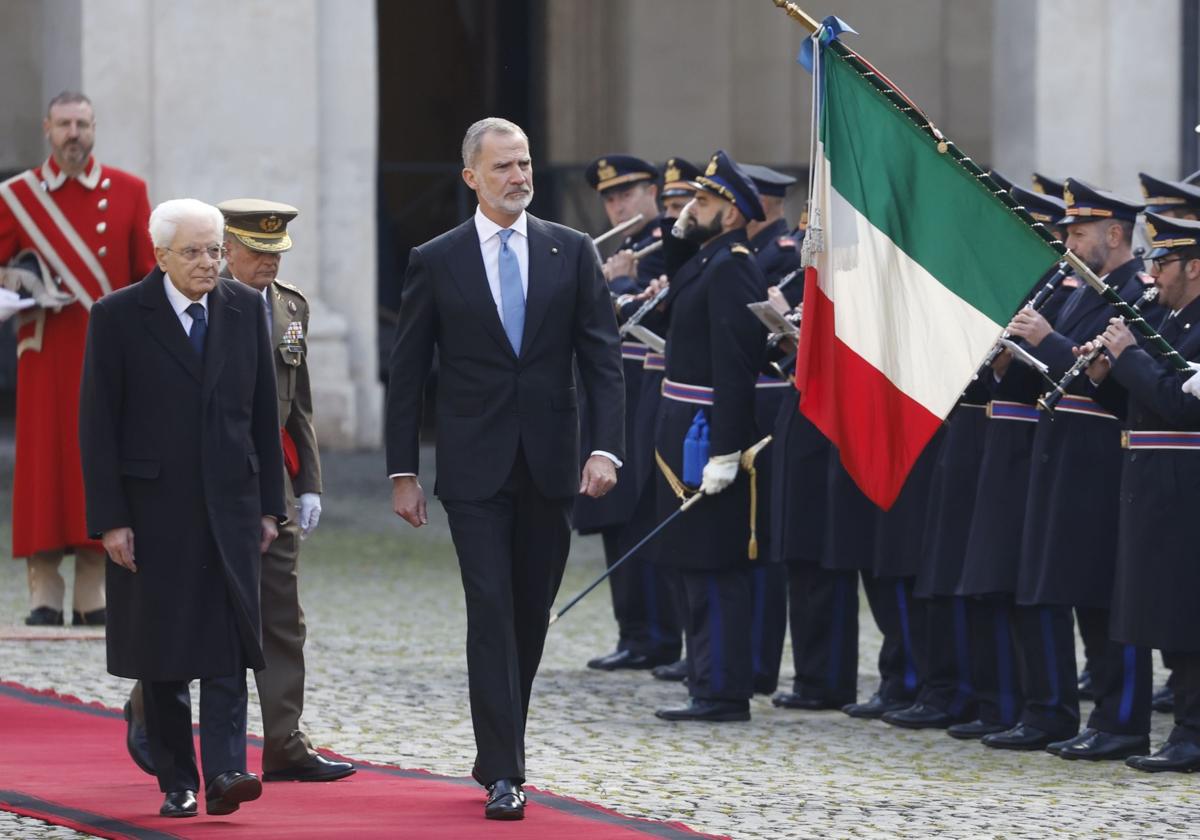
[(270, 224), (605, 171), (1151, 230), (1067, 197), (672, 173), (712, 166)]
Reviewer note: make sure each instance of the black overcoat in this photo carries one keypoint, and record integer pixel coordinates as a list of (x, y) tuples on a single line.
[(187, 454), (1069, 547), (1158, 561), (713, 341), (900, 529), (799, 465)]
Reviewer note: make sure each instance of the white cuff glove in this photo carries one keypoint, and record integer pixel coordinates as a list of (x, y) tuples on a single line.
[(1192, 386), (310, 513), (719, 473)]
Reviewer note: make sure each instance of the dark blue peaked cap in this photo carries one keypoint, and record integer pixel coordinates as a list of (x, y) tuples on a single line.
[(1043, 207), (1167, 234), (1163, 196), (766, 180), (617, 170), (1086, 203), (723, 177)]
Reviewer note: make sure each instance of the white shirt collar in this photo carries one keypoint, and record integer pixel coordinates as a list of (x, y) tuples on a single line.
[(486, 228), (178, 300)]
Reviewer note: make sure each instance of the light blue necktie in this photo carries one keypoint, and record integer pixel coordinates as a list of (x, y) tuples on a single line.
[(512, 296)]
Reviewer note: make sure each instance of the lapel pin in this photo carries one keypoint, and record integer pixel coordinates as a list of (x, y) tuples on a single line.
[(553, 250), (291, 306)]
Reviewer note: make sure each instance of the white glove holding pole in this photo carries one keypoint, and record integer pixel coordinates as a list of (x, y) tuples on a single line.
[(1192, 386), (719, 473), (310, 513)]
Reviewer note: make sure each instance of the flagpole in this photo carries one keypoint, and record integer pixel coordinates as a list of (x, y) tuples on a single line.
[(944, 146)]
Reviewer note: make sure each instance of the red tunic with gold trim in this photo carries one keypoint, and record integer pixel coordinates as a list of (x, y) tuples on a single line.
[(92, 232)]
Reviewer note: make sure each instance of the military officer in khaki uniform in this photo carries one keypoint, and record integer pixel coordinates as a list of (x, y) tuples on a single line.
[(256, 236)]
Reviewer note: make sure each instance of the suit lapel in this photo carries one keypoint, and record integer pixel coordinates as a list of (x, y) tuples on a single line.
[(545, 267), (223, 318), (163, 323), (466, 268)]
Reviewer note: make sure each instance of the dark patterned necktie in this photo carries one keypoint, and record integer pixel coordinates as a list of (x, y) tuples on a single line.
[(199, 328)]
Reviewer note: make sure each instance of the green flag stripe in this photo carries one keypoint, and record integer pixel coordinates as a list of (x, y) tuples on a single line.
[(933, 209)]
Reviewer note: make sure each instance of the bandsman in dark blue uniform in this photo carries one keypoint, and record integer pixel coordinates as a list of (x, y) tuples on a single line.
[(989, 574), (1068, 549), (648, 629), (1157, 577), (715, 350)]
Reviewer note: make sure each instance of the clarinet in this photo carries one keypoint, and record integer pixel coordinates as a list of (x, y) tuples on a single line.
[(1035, 303), (1049, 400), (642, 311)]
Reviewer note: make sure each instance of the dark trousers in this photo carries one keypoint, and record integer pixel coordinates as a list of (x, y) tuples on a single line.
[(512, 549), (823, 613), (768, 623), (1122, 678), (994, 679), (719, 652), (1045, 647), (945, 657), (281, 683), (1186, 668), (643, 603), (168, 706), (891, 603)]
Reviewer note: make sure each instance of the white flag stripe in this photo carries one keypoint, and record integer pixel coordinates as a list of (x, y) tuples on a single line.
[(894, 314)]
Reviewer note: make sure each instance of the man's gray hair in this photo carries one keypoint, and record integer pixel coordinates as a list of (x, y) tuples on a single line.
[(167, 217), (474, 137)]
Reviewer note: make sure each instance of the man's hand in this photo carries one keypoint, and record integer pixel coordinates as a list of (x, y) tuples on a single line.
[(1001, 363), (1192, 386), (599, 476), (620, 264), (1030, 325), (408, 500), (653, 288), (310, 513), (1117, 338), (118, 542), (719, 473), (270, 530), (1099, 369)]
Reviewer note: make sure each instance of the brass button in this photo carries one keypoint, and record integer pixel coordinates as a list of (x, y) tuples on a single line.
[(100, 228), (106, 183), (103, 251), (103, 204)]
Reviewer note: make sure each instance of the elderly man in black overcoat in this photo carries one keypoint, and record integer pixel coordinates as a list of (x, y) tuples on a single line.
[(183, 475)]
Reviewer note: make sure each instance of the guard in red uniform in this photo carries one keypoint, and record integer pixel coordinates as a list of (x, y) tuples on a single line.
[(87, 224)]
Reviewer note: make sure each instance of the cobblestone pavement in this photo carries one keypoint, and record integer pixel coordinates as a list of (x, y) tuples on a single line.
[(387, 683)]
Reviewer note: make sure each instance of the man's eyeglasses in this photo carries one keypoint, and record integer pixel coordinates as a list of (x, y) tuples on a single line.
[(191, 253)]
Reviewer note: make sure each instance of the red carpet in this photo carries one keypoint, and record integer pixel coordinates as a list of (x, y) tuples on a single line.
[(65, 762)]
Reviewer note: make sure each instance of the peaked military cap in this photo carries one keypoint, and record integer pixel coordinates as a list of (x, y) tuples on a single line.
[(766, 180), (617, 170), (1163, 196), (1086, 203), (679, 177), (723, 177), (1001, 180), (1048, 186), (1167, 234), (258, 224), (1043, 207)]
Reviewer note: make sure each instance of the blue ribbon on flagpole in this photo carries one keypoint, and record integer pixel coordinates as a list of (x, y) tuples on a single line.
[(831, 28)]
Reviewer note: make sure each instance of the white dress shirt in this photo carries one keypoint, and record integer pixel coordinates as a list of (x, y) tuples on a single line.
[(180, 303), (489, 246)]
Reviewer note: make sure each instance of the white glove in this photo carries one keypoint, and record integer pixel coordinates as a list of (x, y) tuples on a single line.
[(719, 473), (310, 513), (1192, 386)]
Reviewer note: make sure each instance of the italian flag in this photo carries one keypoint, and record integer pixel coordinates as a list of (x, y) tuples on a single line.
[(919, 271)]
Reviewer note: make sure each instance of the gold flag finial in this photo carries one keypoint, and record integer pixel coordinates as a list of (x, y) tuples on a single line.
[(797, 14)]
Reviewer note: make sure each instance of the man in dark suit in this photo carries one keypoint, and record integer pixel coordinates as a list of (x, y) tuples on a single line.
[(511, 303), (180, 441)]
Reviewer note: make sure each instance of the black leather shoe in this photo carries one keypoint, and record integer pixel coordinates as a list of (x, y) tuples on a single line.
[(627, 660), (317, 768), (229, 790), (92, 618), (1094, 745), (875, 707), (1163, 700), (974, 730), (1085, 685), (136, 741), (1177, 757), (675, 672), (506, 801), (179, 803), (716, 711), (1021, 737), (792, 700), (919, 716), (44, 617)]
